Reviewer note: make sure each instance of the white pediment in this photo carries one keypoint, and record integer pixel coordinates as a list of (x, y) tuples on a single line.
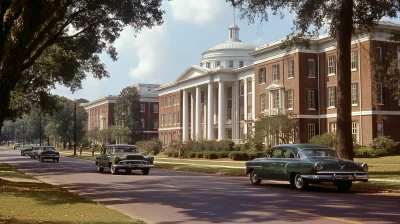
[(191, 72), (274, 86)]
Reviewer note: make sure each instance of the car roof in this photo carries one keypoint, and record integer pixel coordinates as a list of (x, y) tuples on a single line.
[(123, 145), (298, 147)]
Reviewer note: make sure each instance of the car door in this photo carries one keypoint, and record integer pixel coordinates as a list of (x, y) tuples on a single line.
[(269, 166), (103, 161), (286, 157)]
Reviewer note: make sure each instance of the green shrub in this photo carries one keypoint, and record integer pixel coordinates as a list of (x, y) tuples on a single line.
[(210, 155), (175, 154), (238, 155), (210, 145), (364, 152), (223, 154), (382, 145), (237, 147), (152, 147), (254, 155), (199, 154), (191, 155), (326, 139), (245, 147), (225, 145)]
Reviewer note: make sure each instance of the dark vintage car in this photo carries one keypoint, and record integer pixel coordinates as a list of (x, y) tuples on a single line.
[(45, 152), (304, 164), (126, 157), (26, 150)]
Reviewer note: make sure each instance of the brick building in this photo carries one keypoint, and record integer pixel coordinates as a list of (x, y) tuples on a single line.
[(237, 82), (101, 111)]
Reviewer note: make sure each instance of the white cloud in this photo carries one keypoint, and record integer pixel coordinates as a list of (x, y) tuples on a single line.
[(200, 12)]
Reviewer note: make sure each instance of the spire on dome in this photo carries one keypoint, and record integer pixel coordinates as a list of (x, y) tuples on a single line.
[(234, 30)]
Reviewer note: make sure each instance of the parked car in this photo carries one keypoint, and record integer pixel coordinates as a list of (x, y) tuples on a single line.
[(26, 150), (18, 146), (45, 152), (304, 164), (126, 157)]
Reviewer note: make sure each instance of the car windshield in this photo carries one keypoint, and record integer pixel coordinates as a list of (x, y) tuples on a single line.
[(49, 149), (306, 153), (125, 149)]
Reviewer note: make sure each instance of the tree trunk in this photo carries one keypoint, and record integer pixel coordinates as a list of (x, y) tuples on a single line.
[(344, 35)]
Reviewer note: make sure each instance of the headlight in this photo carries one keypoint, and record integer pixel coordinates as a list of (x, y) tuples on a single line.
[(318, 166), (365, 167)]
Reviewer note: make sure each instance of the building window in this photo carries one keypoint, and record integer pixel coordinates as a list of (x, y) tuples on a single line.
[(275, 72), (380, 129), (162, 119), (249, 85), (261, 76), (142, 120), (217, 63), (354, 131), (354, 94), (207, 64), (155, 108), (379, 93), (201, 64), (142, 107), (332, 96), (230, 63), (290, 99), (291, 68), (241, 87), (311, 99), (229, 133), (229, 114), (275, 99), (177, 117), (331, 65), (332, 128), (155, 124), (311, 68), (170, 118), (379, 53), (354, 60), (262, 102), (241, 64), (178, 99), (311, 131), (241, 110)]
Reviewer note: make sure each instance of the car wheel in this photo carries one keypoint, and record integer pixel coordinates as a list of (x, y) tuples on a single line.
[(58, 160), (145, 171), (300, 183), (254, 178), (128, 170), (41, 159), (113, 170), (344, 186), (100, 169)]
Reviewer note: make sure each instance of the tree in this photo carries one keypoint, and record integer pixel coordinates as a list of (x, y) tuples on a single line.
[(343, 20), (120, 134), (44, 42), (127, 112)]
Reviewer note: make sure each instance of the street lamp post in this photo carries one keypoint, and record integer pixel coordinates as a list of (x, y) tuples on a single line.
[(74, 127)]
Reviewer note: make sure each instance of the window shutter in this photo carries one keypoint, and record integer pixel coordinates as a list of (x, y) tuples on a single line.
[(277, 68), (335, 94), (327, 97)]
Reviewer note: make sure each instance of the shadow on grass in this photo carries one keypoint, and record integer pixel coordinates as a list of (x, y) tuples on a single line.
[(5, 220)]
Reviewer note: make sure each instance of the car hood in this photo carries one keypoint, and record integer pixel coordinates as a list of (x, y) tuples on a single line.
[(336, 164), (130, 156)]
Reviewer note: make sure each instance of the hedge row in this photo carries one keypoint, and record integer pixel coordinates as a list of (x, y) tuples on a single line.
[(234, 155)]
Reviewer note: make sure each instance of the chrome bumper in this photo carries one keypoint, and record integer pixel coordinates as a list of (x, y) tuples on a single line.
[(49, 157), (333, 177), (133, 166)]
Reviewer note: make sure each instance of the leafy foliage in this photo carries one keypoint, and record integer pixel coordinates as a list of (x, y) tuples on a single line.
[(152, 147), (127, 113), (384, 144), (326, 139)]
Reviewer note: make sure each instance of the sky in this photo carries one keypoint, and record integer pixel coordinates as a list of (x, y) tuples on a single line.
[(161, 54)]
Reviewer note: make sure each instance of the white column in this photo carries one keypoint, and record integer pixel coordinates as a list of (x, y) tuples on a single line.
[(192, 118), (185, 116), (221, 110), (253, 98), (205, 106), (236, 114), (198, 113), (210, 117), (245, 105)]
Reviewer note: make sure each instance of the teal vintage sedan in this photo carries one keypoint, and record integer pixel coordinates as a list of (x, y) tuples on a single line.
[(304, 164)]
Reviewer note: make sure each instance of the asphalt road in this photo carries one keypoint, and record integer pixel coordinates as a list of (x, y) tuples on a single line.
[(182, 197)]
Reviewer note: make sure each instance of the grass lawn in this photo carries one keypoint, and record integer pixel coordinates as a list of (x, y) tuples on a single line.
[(23, 200)]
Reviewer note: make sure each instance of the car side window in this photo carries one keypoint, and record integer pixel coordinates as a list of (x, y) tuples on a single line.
[(277, 153), (288, 154)]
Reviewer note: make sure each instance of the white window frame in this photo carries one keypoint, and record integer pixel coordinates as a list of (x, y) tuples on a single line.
[(379, 93), (332, 127), (290, 101), (354, 94), (261, 76), (170, 118), (249, 85), (275, 99), (311, 98), (291, 68), (155, 108), (162, 119), (331, 65), (311, 68), (241, 110), (331, 96), (142, 107), (355, 131), (231, 64), (208, 64), (178, 117), (275, 72), (354, 60), (241, 64), (311, 131), (155, 123), (217, 64), (263, 97), (379, 127), (241, 87)]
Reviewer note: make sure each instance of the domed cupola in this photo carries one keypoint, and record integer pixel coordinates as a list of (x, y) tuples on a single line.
[(229, 55)]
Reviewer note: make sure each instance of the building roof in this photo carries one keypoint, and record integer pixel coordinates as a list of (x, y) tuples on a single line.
[(105, 99), (235, 45)]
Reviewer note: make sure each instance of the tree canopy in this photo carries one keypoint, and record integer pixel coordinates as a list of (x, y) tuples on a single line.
[(342, 19), (45, 42), (127, 112)]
